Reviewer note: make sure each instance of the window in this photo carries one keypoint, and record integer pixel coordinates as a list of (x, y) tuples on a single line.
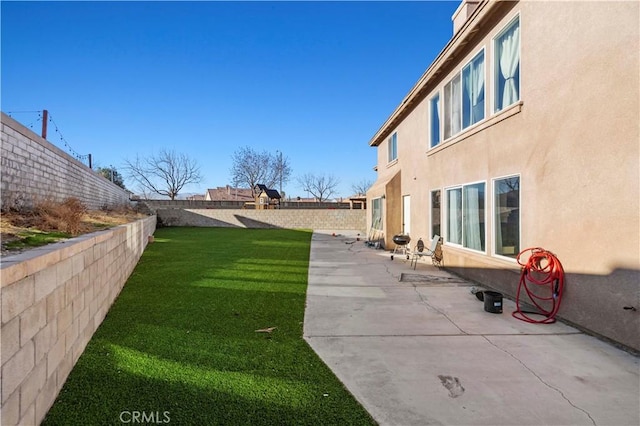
[(507, 66), (393, 147), (376, 213), (473, 91), (452, 107), (435, 213), (435, 121), (454, 208), (507, 216), (466, 212)]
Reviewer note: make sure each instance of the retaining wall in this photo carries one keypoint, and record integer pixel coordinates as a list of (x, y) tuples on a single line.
[(290, 219), (53, 300), (32, 169)]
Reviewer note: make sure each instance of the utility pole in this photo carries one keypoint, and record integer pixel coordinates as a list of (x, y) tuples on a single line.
[(280, 169), (45, 119)]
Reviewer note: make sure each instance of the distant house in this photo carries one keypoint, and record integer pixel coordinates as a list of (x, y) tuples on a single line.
[(195, 197), (266, 198), (229, 193)]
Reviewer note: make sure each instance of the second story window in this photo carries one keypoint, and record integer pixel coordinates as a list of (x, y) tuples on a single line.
[(435, 120), (473, 91), (452, 107), (393, 147), (507, 66)]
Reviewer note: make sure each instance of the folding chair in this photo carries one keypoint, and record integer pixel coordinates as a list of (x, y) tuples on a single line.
[(434, 252)]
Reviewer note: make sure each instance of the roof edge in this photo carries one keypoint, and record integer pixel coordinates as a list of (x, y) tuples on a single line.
[(485, 9)]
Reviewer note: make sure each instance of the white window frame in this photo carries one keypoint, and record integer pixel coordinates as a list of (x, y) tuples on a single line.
[(495, 68), (431, 211), (448, 113), (392, 147), (373, 200), (445, 224), (494, 224), (440, 127), (481, 51)]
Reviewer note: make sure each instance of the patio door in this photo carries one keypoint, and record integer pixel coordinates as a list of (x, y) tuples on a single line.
[(406, 214)]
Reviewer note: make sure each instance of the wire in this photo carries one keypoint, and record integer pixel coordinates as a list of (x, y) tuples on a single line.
[(66, 144), (30, 125), (542, 268), (78, 156)]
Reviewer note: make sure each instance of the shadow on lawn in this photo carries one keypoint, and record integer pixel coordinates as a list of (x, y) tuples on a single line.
[(192, 351), (117, 392)]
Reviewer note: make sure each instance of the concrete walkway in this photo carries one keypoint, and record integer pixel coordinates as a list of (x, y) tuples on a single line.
[(422, 350)]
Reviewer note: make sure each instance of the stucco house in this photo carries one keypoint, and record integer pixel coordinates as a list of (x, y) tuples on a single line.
[(228, 193), (524, 132)]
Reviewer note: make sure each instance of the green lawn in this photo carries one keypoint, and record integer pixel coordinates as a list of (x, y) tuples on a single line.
[(35, 238), (180, 345)]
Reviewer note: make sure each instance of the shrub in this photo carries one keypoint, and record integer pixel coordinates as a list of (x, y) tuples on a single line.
[(66, 216)]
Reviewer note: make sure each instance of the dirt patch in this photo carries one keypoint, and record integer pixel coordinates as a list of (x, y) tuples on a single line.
[(51, 222)]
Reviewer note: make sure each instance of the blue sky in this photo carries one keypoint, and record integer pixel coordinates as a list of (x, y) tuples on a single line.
[(314, 80)]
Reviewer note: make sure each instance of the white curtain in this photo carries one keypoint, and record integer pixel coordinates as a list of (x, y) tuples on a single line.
[(477, 100), (473, 77), (456, 105), (454, 217), (509, 45), (471, 220), (448, 108)]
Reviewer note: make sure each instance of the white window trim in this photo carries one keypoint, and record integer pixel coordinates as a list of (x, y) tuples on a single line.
[(484, 51), (381, 198), (445, 226), (493, 216), (437, 93), (389, 139), (431, 212), (492, 110), (478, 127), (444, 139)]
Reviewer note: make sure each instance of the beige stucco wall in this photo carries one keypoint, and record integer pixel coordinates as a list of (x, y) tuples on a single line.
[(574, 142)]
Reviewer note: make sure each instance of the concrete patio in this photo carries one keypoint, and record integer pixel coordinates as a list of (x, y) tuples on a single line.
[(417, 348)]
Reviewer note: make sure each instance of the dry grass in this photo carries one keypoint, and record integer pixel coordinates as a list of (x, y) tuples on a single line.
[(69, 217), (65, 217)]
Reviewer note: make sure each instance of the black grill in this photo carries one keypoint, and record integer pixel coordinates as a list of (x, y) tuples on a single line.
[(401, 240)]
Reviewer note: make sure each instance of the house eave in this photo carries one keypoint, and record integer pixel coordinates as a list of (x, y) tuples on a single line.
[(451, 52)]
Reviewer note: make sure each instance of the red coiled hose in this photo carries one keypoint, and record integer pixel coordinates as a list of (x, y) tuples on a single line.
[(542, 268)]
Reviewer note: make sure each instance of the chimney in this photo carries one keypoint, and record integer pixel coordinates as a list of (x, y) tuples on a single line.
[(228, 190), (462, 13)]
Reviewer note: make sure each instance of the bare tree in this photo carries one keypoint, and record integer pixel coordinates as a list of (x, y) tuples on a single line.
[(320, 186), (251, 167), (361, 187), (165, 173)]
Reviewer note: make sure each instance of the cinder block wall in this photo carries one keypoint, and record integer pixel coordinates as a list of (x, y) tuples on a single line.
[(53, 300), (290, 219), (32, 169)]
